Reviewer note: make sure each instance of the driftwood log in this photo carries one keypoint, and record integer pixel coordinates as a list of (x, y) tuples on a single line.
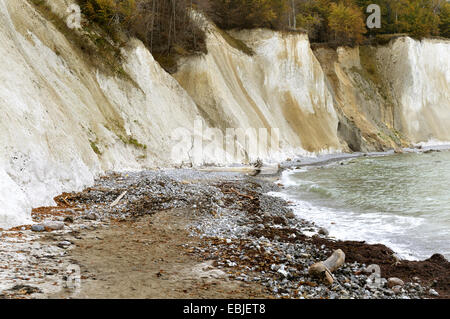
[(324, 269), (118, 199)]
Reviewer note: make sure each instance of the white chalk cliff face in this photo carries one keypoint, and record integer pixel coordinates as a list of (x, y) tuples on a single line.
[(280, 86), (418, 73), (63, 122), (390, 96)]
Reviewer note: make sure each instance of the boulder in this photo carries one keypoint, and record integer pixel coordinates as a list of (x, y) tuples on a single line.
[(53, 225), (38, 228), (394, 281)]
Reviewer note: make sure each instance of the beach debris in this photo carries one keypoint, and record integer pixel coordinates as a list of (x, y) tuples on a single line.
[(324, 269), (257, 165), (232, 190), (65, 201), (117, 200), (25, 289)]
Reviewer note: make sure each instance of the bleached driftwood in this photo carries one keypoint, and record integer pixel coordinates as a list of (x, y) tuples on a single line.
[(118, 199), (324, 269)]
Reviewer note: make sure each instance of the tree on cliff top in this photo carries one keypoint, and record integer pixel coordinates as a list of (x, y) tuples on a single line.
[(164, 26), (444, 24), (347, 24), (247, 14)]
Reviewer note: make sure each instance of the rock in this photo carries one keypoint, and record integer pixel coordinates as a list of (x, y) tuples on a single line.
[(416, 279), (323, 231), (53, 225), (38, 228), (397, 289), (433, 292), (68, 219), (64, 244), (283, 271), (25, 289), (91, 216), (290, 215), (275, 267), (393, 281)]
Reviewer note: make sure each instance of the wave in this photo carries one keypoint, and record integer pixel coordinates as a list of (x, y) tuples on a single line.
[(373, 228)]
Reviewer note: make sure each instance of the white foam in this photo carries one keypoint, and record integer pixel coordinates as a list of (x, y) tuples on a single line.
[(373, 228), (433, 142)]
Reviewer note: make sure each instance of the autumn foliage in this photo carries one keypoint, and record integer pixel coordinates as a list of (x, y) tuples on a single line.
[(346, 23), (338, 21), (167, 28)]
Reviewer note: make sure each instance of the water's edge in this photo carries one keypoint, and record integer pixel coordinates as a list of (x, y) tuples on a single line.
[(322, 161)]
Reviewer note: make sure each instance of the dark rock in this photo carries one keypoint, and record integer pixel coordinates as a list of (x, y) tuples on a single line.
[(38, 228), (64, 244), (68, 219)]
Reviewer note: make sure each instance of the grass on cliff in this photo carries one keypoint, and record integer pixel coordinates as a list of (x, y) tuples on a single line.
[(98, 48)]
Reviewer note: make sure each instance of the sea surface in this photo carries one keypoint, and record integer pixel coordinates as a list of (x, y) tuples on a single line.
[(400, 200)]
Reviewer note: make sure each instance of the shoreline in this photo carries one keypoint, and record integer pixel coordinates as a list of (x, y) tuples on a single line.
[(243, 234), (293, 168)]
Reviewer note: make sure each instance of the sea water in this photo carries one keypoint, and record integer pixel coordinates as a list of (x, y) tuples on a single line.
[(401, 200)]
